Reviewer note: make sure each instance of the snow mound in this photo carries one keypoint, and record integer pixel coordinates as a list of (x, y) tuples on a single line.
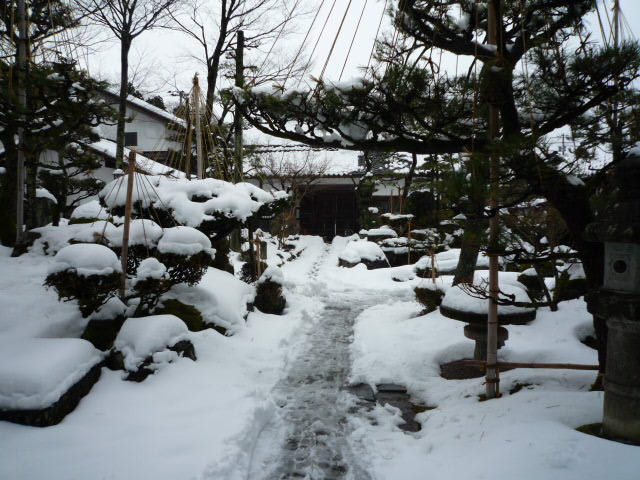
[(383, 231), (151, 268), (35, 373), (141, 232), (86, 259), (456, 298), (141, 337), (358, 250), (183, 241), (272, 273), (91, 209), (447, 261), (94, 232)]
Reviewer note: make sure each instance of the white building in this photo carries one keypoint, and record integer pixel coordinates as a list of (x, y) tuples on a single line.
[(150, 131)]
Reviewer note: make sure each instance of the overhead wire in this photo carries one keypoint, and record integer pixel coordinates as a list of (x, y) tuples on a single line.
[(355, 33)]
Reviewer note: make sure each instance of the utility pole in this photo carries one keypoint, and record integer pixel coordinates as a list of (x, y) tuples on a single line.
[(23, 47), (196, 112), (492, 379), (237, 120)]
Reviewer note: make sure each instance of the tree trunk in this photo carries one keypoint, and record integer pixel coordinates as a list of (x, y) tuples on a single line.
[(31, 171), (8, 182), (471, 242), (125, 45)]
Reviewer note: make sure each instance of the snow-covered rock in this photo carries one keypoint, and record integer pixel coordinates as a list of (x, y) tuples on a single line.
[(90, 210), (363, 251), (86, 259), (139, 338), (36, 372)]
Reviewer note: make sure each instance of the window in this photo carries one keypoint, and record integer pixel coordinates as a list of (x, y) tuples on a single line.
[(130, 139)]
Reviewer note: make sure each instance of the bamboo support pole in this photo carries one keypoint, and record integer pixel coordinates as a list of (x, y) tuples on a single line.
[(493, 373), (197, 121), (127, 222), (187, 163)]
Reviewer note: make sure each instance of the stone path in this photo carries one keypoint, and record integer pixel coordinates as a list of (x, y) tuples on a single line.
[(312, 428)]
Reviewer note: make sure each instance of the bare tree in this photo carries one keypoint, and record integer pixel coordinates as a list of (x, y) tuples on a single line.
[(215, 30), (127, 19)]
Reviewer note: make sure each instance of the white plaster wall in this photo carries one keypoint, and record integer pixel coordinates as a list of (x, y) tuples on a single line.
[(153, 133)]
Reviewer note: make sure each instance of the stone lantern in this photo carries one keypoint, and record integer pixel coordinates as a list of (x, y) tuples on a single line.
[(618, 301)]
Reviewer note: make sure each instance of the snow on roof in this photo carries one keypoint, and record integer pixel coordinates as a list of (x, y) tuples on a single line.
[(146, 165), (141, 104), (339, 162)]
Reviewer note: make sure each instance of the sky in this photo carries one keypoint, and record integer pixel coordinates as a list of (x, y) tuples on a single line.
[(162, 60)]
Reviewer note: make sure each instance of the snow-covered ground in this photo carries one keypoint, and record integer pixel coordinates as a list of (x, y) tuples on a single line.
[(230, 414)]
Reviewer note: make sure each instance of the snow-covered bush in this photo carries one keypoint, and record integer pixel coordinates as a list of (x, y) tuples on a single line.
[(213, 206), (269, 296), (88, 273), (145, 343)]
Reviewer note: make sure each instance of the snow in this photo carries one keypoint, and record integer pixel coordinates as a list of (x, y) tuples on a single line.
[(226, 416), (395, 216), (184, 241), (141, 232), (456, 297), (220, 297), (36, 372), (144, 164), (141, 337), (221, 199), (86, 259), (91, 209), (151, 268), (44, 193), (447, 261), (358, 250), (382, 231), (272, 273)]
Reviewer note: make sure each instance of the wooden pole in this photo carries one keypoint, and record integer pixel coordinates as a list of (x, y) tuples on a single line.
[(409, 244), (237, 120), (187, 161), (23, 46), (196, 112), (127, 221), (493, 373), (550, 366)]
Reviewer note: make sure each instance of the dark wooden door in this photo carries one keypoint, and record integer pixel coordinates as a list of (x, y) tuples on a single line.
[(329, 213)]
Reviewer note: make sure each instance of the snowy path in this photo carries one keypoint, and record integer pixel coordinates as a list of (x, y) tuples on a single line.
[(308, 439)]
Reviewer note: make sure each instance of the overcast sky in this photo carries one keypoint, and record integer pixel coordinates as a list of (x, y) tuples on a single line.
[(162, 58)]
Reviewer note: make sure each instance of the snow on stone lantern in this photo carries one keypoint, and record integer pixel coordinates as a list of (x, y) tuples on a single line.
[(618, 301)]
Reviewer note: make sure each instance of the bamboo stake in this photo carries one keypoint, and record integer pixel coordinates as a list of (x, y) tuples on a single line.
[(187, 166), (493, 373), (554, 366), (409, 244), (196, 111), (127, 221)]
